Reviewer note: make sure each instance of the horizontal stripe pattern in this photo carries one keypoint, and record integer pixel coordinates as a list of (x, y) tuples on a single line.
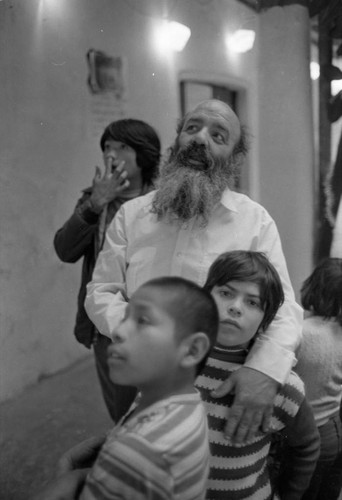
[(161, 453), (240, 472)]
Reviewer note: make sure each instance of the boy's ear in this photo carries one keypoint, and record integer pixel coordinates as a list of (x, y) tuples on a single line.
[(194, 349)]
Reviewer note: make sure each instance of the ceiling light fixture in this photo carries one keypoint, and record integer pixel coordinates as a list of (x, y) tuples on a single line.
[(241, 41), (172, 35)]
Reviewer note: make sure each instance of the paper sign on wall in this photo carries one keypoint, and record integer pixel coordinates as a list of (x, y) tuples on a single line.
[(107, 90)]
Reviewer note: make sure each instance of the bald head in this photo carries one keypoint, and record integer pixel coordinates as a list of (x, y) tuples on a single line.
[(219, 113), (220, 110)]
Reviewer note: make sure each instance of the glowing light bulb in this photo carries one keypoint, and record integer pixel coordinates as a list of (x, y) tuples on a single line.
[(172, 36), (241, 41)]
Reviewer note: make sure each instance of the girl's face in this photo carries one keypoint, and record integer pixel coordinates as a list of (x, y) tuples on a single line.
[(240, 312)]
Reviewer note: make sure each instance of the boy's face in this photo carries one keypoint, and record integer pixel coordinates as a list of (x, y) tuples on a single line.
[(145, 349), (116, 152), (240, 312)]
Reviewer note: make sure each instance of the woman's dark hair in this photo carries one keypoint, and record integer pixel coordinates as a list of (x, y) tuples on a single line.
[(242, 265), (142, 138), (321, 292)]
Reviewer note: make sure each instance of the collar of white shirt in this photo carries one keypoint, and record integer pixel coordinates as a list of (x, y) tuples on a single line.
[(228, 200)]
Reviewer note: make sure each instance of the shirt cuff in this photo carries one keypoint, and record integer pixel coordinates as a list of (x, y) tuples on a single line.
[(271, 359)]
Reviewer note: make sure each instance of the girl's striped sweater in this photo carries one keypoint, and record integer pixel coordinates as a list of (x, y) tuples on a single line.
[(240, 472)]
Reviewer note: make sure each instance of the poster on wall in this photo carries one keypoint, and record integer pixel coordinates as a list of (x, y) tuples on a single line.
[(107, 85)]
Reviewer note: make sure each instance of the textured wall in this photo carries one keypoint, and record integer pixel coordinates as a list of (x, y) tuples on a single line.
[(47, 153)]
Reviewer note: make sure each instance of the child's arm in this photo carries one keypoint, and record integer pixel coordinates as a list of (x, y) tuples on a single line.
[(65, 487), (302, 445), (81, 456)]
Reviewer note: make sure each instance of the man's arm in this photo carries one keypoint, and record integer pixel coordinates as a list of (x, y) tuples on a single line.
[(106, 294), (273, 352)]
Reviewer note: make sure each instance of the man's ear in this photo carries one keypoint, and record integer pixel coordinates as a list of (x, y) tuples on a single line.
[(194, 349)]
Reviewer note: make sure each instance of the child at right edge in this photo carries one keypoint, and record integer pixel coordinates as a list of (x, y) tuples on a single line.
[(320, 366), (248, 292)]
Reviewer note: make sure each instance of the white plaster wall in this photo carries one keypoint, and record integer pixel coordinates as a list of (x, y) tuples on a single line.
[(47, 156)]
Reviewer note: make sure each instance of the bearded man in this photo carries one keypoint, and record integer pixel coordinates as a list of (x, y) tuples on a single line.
[(180, 229)]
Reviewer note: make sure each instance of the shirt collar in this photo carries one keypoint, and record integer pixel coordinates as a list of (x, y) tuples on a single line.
[(228, 200)]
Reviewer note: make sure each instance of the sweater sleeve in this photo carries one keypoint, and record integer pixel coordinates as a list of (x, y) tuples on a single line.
[(75, 236), (300, 454)]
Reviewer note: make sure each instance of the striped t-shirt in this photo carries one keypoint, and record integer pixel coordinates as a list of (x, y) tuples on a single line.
[(160, 453), (240, 472)]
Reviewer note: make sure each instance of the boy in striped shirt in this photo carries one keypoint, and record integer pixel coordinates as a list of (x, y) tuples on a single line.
[(160, 448), (248, 292)]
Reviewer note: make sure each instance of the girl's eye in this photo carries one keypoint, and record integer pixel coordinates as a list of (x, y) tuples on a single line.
[(142, 320), (225, 293), (253, 303)]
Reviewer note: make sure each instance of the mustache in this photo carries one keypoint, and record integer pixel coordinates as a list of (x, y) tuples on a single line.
[(195, 156)]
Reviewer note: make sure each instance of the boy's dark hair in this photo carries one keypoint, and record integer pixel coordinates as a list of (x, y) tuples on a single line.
[(142, 138), (194, 309), (321, 292), (242, 265)]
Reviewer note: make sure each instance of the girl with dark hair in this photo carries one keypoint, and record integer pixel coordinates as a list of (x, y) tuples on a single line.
[(248, 293), (142, 138), (131, 153), (320, 366)]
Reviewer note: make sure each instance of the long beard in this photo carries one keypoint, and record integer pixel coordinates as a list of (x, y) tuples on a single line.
[(190, 185)]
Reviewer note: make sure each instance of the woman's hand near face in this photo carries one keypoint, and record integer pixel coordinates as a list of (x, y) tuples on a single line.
[(108, 186)]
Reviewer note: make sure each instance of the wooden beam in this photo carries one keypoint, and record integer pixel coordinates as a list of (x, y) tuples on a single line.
[(323, 228)]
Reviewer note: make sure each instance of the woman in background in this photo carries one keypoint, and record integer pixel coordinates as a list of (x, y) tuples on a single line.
[(131, 153)]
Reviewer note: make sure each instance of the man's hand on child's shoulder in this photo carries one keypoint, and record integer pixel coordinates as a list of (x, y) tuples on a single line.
[(252, 406)]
